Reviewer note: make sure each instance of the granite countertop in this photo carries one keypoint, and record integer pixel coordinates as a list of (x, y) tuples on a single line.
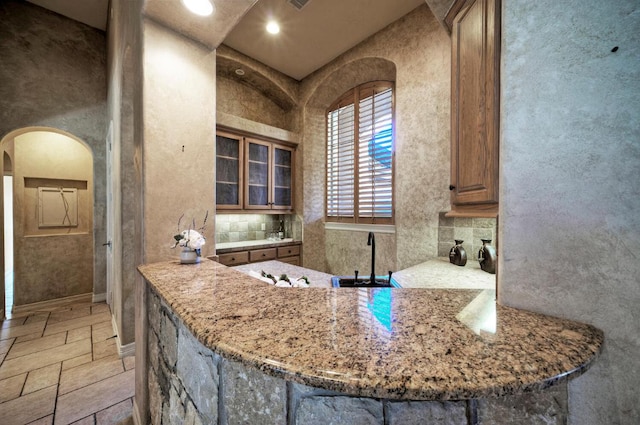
[(276, 268), (227, 247), (412, 344), (440, 273)]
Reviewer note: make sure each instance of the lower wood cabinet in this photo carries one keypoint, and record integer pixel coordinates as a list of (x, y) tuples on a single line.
[(262, 255), (290, 254), (234, 258), (286, 253)]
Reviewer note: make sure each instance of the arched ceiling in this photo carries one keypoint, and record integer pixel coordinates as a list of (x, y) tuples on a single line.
[(226, 66)]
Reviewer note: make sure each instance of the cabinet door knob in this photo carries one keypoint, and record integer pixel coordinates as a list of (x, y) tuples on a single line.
[(233, 258), (451, 187)]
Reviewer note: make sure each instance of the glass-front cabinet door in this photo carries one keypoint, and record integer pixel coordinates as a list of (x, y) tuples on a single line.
[(282, 195), (258, 175), (253, 174), (229, 167)]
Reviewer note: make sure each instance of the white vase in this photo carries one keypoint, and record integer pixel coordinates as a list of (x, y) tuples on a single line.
[(188, 256)]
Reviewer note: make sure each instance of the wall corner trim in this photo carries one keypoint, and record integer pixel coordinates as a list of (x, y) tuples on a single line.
[(123, 350), (136, 414)]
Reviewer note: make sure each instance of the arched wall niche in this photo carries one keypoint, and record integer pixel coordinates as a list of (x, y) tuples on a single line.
[(45, 160), (272, 84), (261, 94)]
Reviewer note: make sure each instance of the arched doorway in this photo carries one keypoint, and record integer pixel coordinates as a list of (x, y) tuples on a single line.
[(52, 215)]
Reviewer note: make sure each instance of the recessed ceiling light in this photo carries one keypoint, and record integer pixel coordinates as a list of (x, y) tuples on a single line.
[(240, 71), (273, 27), (199, 7)]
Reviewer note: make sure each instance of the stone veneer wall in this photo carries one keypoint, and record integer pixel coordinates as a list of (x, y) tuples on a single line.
[(190, 384)]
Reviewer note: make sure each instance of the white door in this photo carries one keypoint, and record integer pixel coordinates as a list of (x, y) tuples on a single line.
[(6, 286)]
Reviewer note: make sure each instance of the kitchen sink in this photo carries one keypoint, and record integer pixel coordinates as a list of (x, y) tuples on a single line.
[(352, 282)]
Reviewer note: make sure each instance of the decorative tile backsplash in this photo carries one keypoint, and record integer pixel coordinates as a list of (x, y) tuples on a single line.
[(251, 227), (470, 230)]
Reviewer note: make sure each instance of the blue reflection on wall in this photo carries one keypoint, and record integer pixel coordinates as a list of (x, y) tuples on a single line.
[(381, 147), (380, 306)]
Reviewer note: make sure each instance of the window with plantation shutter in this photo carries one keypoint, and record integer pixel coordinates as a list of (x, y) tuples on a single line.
[(360, 155)]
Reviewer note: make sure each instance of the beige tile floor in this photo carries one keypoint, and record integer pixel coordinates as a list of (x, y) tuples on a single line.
[(61, 366)]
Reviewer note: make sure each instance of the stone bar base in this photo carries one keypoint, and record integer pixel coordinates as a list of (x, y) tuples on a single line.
[(189, 384)]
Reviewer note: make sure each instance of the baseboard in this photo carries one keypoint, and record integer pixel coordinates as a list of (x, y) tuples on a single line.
[(136, 414), (58, 302), (123, 350), (126, 350), (98, 298)]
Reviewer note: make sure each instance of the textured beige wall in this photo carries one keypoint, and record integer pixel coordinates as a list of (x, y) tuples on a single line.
[(51, 263), (418, 50), (570, 184), (53, 75), (313, 189), (179, 112)]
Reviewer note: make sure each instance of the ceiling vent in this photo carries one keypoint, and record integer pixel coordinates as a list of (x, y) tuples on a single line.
[(299, 4)]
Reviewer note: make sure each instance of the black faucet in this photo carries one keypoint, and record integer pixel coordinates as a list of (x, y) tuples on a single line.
[(372, 242)]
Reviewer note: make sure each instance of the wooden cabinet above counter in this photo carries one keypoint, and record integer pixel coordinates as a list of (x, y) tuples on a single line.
[(475, 100), (253, 174)]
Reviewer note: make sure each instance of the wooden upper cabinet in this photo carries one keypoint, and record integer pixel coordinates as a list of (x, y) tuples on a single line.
[(475, 119), (282, 172), (229, 171), (253, 174), (269, 176), (258, 175)]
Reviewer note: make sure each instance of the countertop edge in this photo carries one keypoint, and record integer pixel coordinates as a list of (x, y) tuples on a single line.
[(356, 388), (265, 245)]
